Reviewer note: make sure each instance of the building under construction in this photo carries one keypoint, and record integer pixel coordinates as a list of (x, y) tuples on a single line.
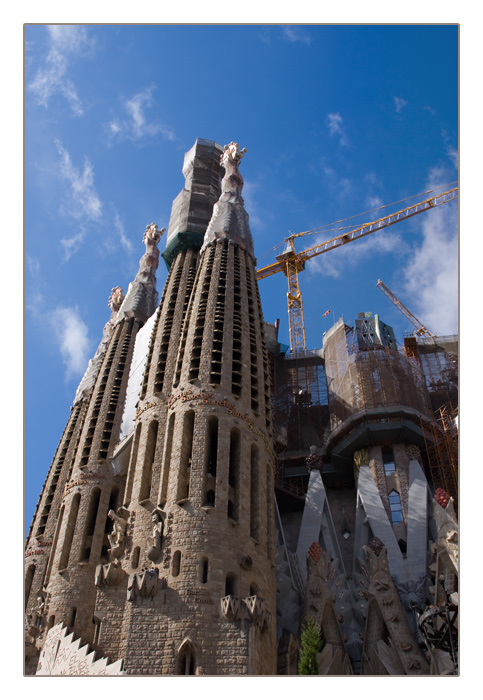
[(215, 489)]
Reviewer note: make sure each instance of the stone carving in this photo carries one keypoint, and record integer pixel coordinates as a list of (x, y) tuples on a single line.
[(246, 562), (144, 584), (150, 260), (361, 457), (412, 593), (64, 654), (314, 461), (447, 525), (257, 611), (230, 608), (229, 221), (34, 618), (385, 612), (320, 606), (116, 298), (108, 574), (252, 609), (156, 538), (116, 537), (152, 233), (232, 152)]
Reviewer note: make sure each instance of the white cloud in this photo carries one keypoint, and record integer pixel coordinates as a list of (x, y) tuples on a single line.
[(431, 277), (335, 124), (453, 155), (72, 245), (65, 42), (135, 125), (121, 232), (251, 207), (71, 335), (294, 33), (373, 201), (83, 200), (400, 103)]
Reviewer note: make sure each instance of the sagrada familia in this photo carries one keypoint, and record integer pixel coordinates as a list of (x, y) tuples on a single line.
[(213, 496)]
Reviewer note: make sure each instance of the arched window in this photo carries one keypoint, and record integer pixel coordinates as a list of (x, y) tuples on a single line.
[(396, 509), (186, 664)]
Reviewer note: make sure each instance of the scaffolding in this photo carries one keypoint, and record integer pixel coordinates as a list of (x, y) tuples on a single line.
[(301, 415), (438, 357), (370, 379), (441, 438)]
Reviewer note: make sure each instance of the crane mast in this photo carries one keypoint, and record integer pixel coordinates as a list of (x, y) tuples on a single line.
[(421, 330), (291, 263)]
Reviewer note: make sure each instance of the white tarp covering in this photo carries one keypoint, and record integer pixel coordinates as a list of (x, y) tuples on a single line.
[(136, 373)]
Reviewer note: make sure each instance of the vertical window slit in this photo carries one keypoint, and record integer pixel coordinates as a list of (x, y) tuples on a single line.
[(69, 532)]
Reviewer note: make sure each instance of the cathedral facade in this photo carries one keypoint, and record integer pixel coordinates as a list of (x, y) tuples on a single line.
[(168, 538)]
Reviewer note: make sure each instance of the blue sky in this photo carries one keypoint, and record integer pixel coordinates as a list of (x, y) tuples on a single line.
[(337, 120)]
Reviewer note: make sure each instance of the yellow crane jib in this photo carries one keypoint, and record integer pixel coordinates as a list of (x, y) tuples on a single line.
[(291, 263)]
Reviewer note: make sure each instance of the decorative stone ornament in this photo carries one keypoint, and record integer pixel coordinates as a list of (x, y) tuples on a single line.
[(232, 152), (116, 298), (116, 537), (156, 538), (257, 611), (230, 608), (108, 574), (145, 584)]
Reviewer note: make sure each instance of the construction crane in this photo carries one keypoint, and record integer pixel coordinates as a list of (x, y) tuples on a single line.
[(420, 328), (292, 263)]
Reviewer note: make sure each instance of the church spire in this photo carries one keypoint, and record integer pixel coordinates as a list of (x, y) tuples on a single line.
[(230, 220), (141, 299)]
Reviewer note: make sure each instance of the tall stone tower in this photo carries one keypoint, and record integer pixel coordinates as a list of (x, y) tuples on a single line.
[(162, 541), (71, 530)]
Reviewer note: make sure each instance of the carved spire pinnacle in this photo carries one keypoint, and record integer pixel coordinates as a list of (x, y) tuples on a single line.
[(142, 298), (230, 220)]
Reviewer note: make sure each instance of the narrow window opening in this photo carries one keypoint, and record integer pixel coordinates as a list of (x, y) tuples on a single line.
[(395, 506), (72, 616), (203, 570), (254, 493), (135, 557), (167, 459), (145, 490), (210, 498), (97, 630), (176, 564), (29, 577), (388, 461), (69, 533), (90, 525), (230, 584), (212, 446), (185, 460)]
